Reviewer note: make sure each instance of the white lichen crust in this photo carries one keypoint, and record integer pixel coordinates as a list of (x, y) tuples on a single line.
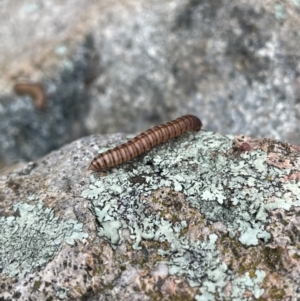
[(40, 231)]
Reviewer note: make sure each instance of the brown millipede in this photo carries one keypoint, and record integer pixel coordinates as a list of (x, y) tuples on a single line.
[(36, 91), (144, 141)]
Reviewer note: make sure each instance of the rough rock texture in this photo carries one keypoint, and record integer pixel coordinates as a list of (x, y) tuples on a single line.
[(202, 217), (111, 66)]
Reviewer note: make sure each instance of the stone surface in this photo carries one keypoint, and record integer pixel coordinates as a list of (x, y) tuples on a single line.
[(201, 217), (110, 66)]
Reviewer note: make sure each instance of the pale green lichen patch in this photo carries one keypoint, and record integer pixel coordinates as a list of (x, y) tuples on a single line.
[(62, 292), (242, 284), (31, 239), (237, 189)]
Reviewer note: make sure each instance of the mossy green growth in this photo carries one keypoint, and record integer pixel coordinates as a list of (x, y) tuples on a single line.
[(37, 285), (237, 189), (32, 239), (276, 293)]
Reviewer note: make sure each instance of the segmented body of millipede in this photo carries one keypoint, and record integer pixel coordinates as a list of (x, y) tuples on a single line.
[(36, 91), (145, 141)]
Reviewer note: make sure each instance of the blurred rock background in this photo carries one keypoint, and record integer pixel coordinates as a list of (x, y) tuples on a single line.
[(122, 66)]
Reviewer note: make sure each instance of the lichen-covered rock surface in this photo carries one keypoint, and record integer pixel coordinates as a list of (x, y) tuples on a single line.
[(201, 217)]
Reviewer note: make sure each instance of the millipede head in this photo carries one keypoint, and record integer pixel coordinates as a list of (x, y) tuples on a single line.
[(94, 166)]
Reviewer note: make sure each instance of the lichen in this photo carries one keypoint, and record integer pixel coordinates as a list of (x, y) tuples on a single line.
[(237, 190), (31, 239), (242, 284), (62, 292)]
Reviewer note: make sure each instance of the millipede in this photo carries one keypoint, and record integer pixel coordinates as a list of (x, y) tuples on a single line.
[(145, 141), (36, 91)]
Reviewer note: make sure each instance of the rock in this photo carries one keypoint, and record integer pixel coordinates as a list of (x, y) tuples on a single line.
[(110, 66), (201, 217)]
